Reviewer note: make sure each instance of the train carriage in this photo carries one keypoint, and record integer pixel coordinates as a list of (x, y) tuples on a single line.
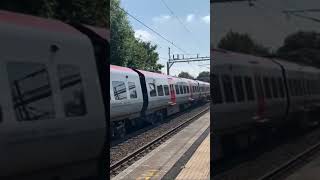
[(50, 100), (126, 99), (255, 93)]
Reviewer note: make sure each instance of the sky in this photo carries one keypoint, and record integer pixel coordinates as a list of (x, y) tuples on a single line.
[(265, 21), (188, 28)]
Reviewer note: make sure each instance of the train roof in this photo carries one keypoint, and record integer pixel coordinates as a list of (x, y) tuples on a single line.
[(297, 67), (147, 73), (228, 57), (221, 57), (34, 22), (115, 68), (150, 74), (102, 32)]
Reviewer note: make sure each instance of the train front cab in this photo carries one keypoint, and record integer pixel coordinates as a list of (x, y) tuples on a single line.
[(54, 106)]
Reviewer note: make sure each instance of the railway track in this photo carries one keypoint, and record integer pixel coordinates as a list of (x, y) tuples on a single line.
[(277, 160), (296, 162), (126, 161)]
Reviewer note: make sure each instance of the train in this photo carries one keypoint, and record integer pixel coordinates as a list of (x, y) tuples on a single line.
[(138, 96), (54, 106), (253, 95), (53, 103)]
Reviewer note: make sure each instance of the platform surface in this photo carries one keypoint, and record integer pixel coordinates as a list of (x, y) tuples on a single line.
[(169, 159), (310, 171), (198, 167)]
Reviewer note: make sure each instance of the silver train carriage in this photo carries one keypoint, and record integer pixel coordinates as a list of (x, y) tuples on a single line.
[(138, 96), (52, 120), (250, 90)]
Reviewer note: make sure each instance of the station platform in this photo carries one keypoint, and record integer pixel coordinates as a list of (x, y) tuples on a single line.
[(186, 155), (309, 171)]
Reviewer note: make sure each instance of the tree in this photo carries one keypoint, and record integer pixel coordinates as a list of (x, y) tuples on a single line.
[(126, 50), (242, 43), (301, 47), (89, 12), (204, 76), (185, 75)]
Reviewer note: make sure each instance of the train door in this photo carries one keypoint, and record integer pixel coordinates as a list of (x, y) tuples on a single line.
[(191, 90), (260, 97), (172, 92)]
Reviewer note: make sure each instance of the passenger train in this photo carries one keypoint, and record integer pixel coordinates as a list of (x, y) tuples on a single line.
[(253, 93), (52, 98), (54, 104), (138, 96)]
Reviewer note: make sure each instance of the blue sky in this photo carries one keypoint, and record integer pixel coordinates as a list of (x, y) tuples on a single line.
[(195, 15)]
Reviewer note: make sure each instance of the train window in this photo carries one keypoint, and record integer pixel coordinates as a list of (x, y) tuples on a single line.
[(152, 87), (1, 114), (160, 90), (228, 89), (300, 87), (31, 91), (188, 89), (119, 90), (291, 87), (132, 90), (309, 87), (166, 90), (249, 88), (267, 87), (274, 88), (281, 89), (294, 87), (297, 87), (72, 90), (303, 82), (239, 88), (177, 89), (217, 90), (259, 88), (181, 89)]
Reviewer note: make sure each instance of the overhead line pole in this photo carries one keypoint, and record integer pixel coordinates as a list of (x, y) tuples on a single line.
[(176, 59)]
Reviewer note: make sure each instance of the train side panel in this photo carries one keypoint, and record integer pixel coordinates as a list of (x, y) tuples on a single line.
[(126, 94), (54, 99)]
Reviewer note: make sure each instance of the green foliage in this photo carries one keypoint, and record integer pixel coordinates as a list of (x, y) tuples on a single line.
[(242, 43), (185, 75), (301, 47), (126, 50), (91, 12), (204, 76)]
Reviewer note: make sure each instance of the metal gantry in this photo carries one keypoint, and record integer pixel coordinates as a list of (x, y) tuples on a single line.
[(180, 58)]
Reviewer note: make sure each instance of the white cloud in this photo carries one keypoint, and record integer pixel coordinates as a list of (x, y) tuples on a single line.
[(143, 35), (161, 19), (190, 17), (206, 19)]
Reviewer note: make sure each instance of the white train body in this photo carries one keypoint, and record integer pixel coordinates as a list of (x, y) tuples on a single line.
[(250, 90), (150, 96), (52, 114)]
